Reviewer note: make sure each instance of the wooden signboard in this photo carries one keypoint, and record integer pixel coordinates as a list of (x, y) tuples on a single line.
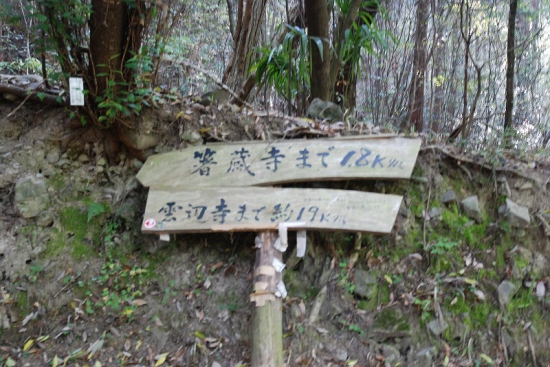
[(202, 189), (251, 164), (257, 208)]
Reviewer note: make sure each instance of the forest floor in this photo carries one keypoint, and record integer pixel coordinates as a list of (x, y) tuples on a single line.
[(80, 285)]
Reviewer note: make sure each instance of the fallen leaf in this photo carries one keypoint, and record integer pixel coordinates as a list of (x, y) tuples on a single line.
[(161, 358), (139, 302), (216, 266), (10, 362), (199, 314), (479, 295), (415, 256), (487, 359), (216, 364), (207, 284), (28, 345), (388, 279), (28, 318), (97, 345), (55, 361), (302, 307), (127, 345), (470, 281)]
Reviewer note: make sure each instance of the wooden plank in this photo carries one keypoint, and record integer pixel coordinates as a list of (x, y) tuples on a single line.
[(171, 210), (250, 164)]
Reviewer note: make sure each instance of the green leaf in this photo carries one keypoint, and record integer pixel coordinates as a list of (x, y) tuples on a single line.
[(94, 209)]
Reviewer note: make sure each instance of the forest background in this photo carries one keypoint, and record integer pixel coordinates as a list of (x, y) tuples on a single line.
[(473, 70)]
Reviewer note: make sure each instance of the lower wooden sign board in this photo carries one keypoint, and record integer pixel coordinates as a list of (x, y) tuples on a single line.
[(258, 209)]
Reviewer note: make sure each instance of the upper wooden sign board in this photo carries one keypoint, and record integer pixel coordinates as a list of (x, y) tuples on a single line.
[(261, 163), (171, 210)]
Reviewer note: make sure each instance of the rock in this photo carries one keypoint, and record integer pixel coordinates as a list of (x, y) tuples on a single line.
[(45, 219), (424, 357), (435, 212), (31, 197), (517, 215), (366, 285), (540, 266), (390, 322), (62, 162), (506, 291), (437, 327), (420, 179), (448, 197), (83, 158), (324, 110), (391, 353), (217, 96), (341, 355), (504, 188), (470, 205), (192, 136)]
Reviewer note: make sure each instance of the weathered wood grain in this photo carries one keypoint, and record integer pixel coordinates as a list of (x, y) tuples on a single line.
[(172, 210), (251, 164)]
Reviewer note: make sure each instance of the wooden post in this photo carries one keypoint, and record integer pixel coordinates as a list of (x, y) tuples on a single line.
[(267, 323)]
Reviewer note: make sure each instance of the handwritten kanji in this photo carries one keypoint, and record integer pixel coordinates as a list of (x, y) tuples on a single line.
[(274, 159), (205, 160), (169, 210), (238, 163), (196, 212), (280, 214), (221, 212)]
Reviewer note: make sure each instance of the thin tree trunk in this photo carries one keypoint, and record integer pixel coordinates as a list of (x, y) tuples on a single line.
[(247, 33), (510, 62), (317, 20), (416, 97)]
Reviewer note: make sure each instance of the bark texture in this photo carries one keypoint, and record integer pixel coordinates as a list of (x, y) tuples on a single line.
[(510, 63), (246, 36), (416, 96)]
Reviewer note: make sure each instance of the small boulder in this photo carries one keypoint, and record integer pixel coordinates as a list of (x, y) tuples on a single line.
[(31, 197), (448, 197), (325, 110), (517, 215), (506, 291), (470, 205)]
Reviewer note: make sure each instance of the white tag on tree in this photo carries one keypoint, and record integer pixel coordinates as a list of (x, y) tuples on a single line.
[(76, 91)]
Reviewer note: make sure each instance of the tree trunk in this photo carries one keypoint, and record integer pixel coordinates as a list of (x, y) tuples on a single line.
[(510, 61), (416, 96), (346, 82), (246, 37), (317, 21), (108, 27), (232, 16)]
